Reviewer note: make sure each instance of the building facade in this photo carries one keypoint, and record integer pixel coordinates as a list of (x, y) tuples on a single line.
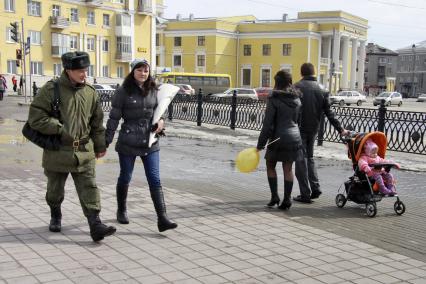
[(252, 51), (411, 74), (380, 69), (113, 32)]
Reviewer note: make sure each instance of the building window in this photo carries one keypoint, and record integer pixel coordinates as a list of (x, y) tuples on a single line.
[(157, 60), (105, 45), (201, 41), (105, 71), (105, 20), (73, 42), (178, 41), (34, 8), (177, 60), (157, 39), (124, 44), (91, 44), (9, 34), (74, 15), (60, 43), (36, 68), (120, 72), (57, 69), (286, 49), (246, 77), (383, 60), (9, 5), (266, 49), (11, 67), (90, 17), (56, 10), (247, 50), (123, 20), (201, 60), (35, 37), (266, 77), (91, 71)]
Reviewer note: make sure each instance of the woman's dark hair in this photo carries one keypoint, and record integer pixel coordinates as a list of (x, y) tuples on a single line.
[(307, 69), (283, 80), (129, 82)]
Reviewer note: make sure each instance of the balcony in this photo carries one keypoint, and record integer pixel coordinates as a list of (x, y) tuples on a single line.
[(144, 7), (58, 22), (123, 56), (57, 51), (94, 3)]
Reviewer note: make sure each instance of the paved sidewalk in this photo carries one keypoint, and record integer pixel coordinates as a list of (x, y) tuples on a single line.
[(214, 243)]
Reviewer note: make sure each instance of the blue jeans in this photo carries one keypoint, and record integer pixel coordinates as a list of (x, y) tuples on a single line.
[(151, 163)]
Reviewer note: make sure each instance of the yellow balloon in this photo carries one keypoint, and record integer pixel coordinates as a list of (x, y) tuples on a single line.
[(247, 160)]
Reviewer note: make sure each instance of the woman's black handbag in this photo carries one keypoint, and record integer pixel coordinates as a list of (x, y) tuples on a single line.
[(49, 142)]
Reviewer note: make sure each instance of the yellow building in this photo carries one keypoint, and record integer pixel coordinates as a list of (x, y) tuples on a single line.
[(252, 51), (113, 32)]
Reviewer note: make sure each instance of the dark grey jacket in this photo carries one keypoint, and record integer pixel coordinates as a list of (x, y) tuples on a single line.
[(137, 111), (315, 102), (281, 120)]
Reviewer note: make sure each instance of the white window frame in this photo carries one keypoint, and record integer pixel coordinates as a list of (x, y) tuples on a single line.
[(120, 72), (123, 20), (36, 68), (74, 17), (90, 44), (265, 67), (91, 71), (35, 37), (124, 44), (11, 66), (91, 18), (73, 39), (9, 34), (105, 71), (56, 10), (289, 49), (57, 69), (105, 45), (242, 76), (106, 20), (34, 8), (173, 58), (9, 6)]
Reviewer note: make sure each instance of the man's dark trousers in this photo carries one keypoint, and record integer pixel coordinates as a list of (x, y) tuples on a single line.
[(306, 172)]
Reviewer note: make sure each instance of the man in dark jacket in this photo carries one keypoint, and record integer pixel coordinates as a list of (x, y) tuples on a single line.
[(80, 126), (315, 103)]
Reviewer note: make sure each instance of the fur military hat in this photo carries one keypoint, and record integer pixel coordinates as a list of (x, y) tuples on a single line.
[(75, 60)]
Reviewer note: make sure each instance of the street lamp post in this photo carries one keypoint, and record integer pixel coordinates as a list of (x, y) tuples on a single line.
[(413, 48)]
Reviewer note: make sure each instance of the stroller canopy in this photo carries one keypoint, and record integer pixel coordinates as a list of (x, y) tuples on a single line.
[(356, 144)]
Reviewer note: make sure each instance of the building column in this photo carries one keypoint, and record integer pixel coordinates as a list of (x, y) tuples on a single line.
[(83, 45), (361, 65), (353, 63), (327, 48), (98, 47), (345, 65), (336, 51), (153, 33)]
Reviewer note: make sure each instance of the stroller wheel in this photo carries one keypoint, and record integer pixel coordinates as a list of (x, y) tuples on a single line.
[(371, 209), (340, 200), (399, 207)]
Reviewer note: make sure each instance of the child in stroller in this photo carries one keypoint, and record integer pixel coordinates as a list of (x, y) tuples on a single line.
[(365, 184)]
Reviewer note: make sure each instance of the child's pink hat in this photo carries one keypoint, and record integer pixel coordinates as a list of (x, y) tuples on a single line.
[(369, 146)]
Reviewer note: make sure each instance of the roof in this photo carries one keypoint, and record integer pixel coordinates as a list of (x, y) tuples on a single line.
[(420, 46), (376, 49)]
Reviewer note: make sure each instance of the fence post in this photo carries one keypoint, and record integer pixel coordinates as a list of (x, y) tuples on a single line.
[(382, 115), (199, 106), (233, 109), (321, 131), (170, 111)]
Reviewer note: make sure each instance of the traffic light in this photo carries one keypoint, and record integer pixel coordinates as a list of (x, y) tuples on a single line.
[(18, 54), (14, 31)]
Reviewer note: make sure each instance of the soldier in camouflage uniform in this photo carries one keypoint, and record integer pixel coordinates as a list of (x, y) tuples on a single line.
[(83, 140)]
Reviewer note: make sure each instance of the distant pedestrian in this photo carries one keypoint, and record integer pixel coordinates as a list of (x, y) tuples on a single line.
[(281, 125), (3, 86), (134, 102), (14, 83), (315, 103), (83, 139), (35, 89), (21, 83)]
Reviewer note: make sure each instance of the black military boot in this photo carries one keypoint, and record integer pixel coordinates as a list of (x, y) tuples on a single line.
[(121, 191), (98, 230), (275, 199), (160, 208), (55, 219), (288, 187)]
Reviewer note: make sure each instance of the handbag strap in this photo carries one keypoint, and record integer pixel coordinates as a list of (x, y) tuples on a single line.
[(56, 100)]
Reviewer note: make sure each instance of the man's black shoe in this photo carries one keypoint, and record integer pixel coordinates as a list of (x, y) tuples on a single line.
[(315, 194), (301, 199)]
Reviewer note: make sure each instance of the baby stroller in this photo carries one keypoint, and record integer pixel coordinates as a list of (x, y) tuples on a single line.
[(360, 188)]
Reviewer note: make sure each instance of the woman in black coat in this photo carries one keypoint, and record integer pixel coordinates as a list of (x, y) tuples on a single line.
[(135, 102), (281, 125)]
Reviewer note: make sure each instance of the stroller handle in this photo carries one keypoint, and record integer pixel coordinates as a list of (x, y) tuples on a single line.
[(350, 134)]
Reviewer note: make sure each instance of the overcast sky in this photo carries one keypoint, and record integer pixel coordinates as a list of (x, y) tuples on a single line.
[(393, 23)]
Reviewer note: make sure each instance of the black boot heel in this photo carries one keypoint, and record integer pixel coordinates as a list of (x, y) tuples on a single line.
[(274, 201), (285, 205)]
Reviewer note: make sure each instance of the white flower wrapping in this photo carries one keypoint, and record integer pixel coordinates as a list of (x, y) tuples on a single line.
[(165, 94)]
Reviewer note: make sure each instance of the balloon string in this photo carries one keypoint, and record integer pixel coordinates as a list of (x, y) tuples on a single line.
[(273, 141)]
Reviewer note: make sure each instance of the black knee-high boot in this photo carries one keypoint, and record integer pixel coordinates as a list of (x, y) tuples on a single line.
[(288, 187), (121, 191), (160, 208), (273, 186), (55, 219)]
